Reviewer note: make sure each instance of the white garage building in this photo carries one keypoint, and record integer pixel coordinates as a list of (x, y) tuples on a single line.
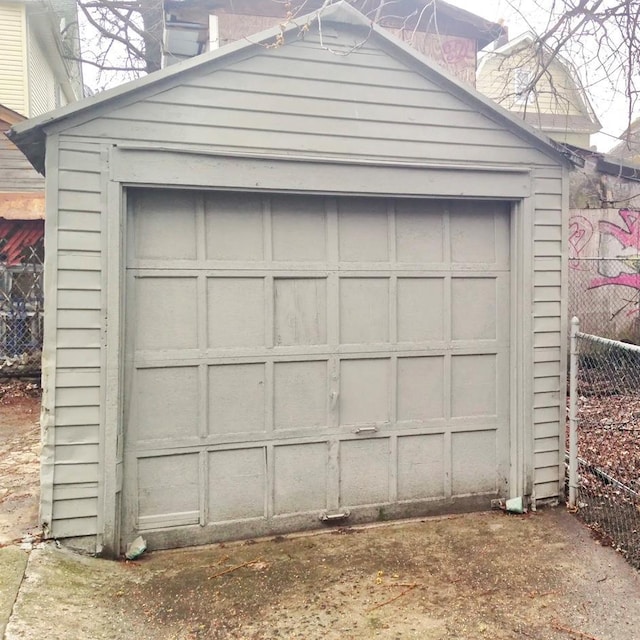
[(294, 284)]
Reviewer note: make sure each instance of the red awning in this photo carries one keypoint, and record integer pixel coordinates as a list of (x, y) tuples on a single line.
[(16, 236)]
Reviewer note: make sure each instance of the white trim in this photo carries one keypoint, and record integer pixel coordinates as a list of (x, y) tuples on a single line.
[(112, 369), (160, 168), (179, 171), (49, 347)]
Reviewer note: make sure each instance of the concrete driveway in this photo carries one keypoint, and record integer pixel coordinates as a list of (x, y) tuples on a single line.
[(469, 577)]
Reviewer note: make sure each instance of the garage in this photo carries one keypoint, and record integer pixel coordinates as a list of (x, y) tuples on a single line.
[(290, 289)]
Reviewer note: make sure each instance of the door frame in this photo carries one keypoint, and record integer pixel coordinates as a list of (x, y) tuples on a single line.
[(146, 167)]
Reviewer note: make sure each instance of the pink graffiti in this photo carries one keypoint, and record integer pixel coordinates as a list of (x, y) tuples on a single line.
[(458, 50), (629, 237), (580, 232), (623, 280), (615, 242)]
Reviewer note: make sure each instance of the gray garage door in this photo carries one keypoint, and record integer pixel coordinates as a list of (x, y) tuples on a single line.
[(294, 357)]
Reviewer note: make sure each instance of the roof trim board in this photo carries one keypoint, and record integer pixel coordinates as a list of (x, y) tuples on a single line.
[(30, 136)]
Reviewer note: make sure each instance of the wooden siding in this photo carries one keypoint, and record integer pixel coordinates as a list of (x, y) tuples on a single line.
[(42, 83), (296, 99), (79, 321), (549, 367), (301, 99), (13, 56), (16, 173)]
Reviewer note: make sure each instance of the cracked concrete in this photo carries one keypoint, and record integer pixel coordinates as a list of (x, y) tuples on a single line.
[(486, 575)]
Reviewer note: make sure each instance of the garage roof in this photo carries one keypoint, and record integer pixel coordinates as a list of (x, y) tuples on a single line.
[(30, 136)]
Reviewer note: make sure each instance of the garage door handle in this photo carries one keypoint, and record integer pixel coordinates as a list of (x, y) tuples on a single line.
[(366, 429), (334, 399), (334, 517)]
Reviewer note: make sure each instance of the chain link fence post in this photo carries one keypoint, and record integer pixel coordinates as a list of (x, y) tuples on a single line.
[(573, 414)]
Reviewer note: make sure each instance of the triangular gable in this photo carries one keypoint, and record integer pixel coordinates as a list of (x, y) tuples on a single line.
[(30, 136), (528, 40)]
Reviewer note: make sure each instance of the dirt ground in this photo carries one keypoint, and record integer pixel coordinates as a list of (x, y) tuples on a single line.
[(19, 458), (470, 577)]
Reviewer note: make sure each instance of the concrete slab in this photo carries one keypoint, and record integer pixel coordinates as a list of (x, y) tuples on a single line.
[(13, 562), (469, 577)]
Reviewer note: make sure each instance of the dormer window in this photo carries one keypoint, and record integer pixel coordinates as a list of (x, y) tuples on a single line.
[(522, 90)]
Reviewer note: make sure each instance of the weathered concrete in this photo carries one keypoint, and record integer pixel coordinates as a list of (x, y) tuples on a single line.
[(466, 577), (13, 562)]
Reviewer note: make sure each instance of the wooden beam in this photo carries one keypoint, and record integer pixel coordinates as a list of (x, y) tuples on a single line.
[(22, 206)]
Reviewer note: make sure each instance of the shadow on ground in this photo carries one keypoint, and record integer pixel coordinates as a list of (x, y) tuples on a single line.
[(466, 577)]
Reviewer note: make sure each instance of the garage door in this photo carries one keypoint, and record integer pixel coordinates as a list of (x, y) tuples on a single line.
[(298, 358)]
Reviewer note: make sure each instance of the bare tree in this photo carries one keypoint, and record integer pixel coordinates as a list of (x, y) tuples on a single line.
[(122, 36), (599, 38), (123, 39)]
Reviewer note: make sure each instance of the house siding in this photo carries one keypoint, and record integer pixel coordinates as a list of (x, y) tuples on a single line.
[(74, 340), (555, 92), (291, 99), (329, 104), (17, 175), (42, 83), (13, 56)]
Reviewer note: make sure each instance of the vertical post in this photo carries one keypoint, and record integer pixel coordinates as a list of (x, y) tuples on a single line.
[(573, 413)]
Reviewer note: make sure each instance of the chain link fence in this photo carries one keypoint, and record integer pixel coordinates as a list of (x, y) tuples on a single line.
[(605, 294), (604, 440), (21, 313)]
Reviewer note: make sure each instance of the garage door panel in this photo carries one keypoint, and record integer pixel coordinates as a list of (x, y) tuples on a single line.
[(237, 484), (299, 229), (420, 388), (479, 233), (474, 464), (165, 226), (364, 310), (237, 398), (233, 227), (365, 391), (363, 230), (421, 469), (300, 478), (300, 311), (474, 385), (236, 312), (300, 395), (168, 490), (364, 472), (419, 232), (420, 309), (474, 308), (166, 313), (165, 403)]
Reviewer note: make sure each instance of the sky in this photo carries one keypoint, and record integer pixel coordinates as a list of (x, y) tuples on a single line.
[(610, 109)]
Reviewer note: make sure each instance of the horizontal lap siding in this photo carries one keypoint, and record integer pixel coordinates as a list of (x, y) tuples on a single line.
[(299, 98), (13, 57), (548, 369), (16, 174), (78, 340)]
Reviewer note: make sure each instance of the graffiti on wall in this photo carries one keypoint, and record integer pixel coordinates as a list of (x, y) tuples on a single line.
[(580, 234), (619, 252), (604, 274)]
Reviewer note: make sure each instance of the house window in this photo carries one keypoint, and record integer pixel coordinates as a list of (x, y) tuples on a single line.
[(521, 86)]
